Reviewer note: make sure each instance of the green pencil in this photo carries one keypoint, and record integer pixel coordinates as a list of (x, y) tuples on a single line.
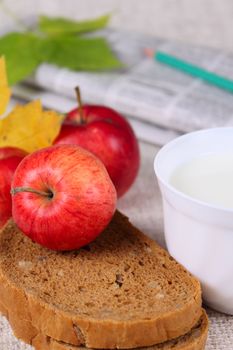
[(191, 69)]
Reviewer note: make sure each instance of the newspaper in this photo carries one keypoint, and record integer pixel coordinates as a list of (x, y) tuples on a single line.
[(146, 132), (147, 90)]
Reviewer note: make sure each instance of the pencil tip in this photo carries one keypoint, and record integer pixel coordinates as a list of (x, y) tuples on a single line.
[(148, 52)]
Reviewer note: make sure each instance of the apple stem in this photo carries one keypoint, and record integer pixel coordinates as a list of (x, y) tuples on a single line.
[(16, 190), (79, 99)]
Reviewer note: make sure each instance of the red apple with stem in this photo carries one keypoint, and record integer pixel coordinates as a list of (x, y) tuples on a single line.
[(109, 136), (62, 197), (10, 157)]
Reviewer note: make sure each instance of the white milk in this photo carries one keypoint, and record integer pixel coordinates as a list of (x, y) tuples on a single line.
[(208, 178)]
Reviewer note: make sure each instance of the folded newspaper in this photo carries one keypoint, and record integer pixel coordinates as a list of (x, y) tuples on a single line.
[(146, 132), (160, 101)]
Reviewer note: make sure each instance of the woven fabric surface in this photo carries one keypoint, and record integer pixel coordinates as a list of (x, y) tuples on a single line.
[(143, 206)]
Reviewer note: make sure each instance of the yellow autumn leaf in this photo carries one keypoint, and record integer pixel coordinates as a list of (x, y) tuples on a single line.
[(29, 127), (5, 92)]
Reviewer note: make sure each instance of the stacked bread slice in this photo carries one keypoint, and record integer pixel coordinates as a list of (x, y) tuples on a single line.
[(121, 291)]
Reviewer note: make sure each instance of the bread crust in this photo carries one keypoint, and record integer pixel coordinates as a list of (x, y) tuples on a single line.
[(41, 342), (28, 334), (102, 334)]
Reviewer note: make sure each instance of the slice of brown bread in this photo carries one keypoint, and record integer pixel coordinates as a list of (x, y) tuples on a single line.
[(121, 291), (195, 339)]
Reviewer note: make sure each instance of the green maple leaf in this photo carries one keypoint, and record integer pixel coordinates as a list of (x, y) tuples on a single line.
[(25, 51), (80, 53), (59, 25), (21, 51)]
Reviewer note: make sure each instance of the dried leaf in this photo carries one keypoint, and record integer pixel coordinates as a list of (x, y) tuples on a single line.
[(4, 89), (29, 127)]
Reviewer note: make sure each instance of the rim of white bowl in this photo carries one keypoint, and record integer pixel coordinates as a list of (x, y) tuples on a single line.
[(171, 188)]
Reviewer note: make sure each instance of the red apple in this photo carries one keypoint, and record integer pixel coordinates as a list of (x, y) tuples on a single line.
[(109, 136), (5, 197), (10, 157), (63, 197)]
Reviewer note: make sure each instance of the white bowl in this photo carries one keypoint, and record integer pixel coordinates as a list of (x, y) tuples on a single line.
[(199, 235)]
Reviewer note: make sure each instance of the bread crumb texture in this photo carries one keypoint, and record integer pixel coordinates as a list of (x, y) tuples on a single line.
[(117, 276)]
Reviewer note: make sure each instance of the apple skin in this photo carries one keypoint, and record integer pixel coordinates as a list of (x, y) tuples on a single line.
[(110, 137), (5, 197), (78, 200), (10, 157)]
